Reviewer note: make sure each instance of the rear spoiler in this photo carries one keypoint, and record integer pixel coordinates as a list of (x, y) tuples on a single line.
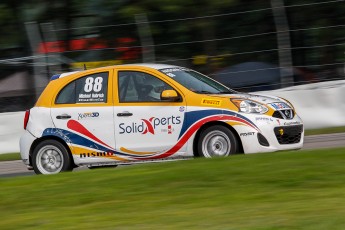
[(57, 76)]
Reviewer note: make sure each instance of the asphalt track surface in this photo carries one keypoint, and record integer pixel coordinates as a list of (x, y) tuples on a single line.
[(17, 168)]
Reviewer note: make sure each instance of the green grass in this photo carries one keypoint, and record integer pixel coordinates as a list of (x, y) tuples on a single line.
[(9, 157), (282, 190), (340, 129)]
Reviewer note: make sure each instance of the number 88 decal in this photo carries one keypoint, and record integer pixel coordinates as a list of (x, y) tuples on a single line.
[(92, 84)]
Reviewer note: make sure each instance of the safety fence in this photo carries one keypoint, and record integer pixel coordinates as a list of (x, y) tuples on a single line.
[(313, 57)]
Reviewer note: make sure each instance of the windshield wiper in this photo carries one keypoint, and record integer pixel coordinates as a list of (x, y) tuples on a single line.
[(226, 92), (203, 92), (220, 92)]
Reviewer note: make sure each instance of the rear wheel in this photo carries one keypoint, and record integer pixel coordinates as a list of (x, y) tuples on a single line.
[(51, 157), (217, 141)]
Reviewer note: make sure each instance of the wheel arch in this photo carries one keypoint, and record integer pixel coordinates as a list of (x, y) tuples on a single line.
[(39, 140), (213, 123)]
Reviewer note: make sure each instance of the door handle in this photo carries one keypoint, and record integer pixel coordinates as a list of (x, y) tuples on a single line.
[(63, 116), (124, 114)]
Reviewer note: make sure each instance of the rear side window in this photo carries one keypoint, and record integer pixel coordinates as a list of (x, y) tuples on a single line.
[(88, 89)]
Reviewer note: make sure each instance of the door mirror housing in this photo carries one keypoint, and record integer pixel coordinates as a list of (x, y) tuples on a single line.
[(170, 95)]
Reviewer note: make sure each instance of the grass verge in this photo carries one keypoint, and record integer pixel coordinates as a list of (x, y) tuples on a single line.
[(340, 129), (283, 190), (9, 157)]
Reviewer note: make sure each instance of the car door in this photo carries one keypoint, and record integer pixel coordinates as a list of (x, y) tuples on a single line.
[(146, 127), (83, 114)]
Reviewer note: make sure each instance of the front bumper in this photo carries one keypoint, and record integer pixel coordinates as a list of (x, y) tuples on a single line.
[(273, 134)]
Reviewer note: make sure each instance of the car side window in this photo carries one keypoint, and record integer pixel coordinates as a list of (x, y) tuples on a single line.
[(88, 89), (137, 86)]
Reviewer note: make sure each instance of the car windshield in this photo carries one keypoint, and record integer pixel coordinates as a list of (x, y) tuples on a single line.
[(196, 82)]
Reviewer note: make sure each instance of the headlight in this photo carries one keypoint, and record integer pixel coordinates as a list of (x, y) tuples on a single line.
[(249, 106)]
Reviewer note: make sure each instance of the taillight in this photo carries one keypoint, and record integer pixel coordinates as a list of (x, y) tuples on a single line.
[(26, 118)]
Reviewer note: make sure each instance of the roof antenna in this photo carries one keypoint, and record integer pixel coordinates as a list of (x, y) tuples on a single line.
[(84, 66)]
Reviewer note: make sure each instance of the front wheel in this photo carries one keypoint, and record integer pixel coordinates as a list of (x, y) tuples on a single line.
[(217, 141), (51, 157)]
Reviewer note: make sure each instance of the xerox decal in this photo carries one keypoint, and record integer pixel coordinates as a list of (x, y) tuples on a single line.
[(164, 124), (88, 115)]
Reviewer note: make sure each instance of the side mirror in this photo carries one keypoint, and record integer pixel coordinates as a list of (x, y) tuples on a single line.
[(169, 95)]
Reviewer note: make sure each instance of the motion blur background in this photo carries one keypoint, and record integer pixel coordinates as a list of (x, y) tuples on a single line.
[(249, 45)]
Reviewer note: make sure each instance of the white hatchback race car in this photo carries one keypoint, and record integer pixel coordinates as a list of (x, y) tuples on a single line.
[(149, 112)]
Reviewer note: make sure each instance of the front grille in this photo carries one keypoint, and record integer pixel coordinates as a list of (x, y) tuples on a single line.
[(284, 114), (288, 134)]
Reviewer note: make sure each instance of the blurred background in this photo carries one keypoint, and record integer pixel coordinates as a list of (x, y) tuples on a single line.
[(248, 45)]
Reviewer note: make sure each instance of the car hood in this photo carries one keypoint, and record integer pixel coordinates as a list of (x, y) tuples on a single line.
[(263, 99)]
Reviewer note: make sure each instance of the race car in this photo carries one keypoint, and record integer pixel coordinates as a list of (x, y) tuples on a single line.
[(138, 113)]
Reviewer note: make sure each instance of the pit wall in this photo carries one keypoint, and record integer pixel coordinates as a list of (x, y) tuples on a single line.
[(320, 105)]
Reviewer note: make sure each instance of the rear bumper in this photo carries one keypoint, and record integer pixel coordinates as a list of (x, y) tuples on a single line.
[(25, 144)]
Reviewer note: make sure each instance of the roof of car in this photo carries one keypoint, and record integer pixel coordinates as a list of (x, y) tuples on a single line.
[(149, 65), (153, 65)]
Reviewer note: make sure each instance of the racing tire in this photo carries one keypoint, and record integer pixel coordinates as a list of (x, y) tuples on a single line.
[(51, 157), (217, 141)]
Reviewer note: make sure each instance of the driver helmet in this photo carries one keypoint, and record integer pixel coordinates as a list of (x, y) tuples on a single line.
[(158, 87)]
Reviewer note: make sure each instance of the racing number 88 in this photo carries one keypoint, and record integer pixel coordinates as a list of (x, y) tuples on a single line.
[(93, 84)]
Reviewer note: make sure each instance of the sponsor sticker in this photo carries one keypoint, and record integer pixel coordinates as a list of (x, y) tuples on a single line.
[(87, 115), (96, 154), (292, 123), (268, 119), (247, 134), (171, 75), (281, 132), (147, 126), (168, 130), (280, 105), (170, 70), (214, 102)]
